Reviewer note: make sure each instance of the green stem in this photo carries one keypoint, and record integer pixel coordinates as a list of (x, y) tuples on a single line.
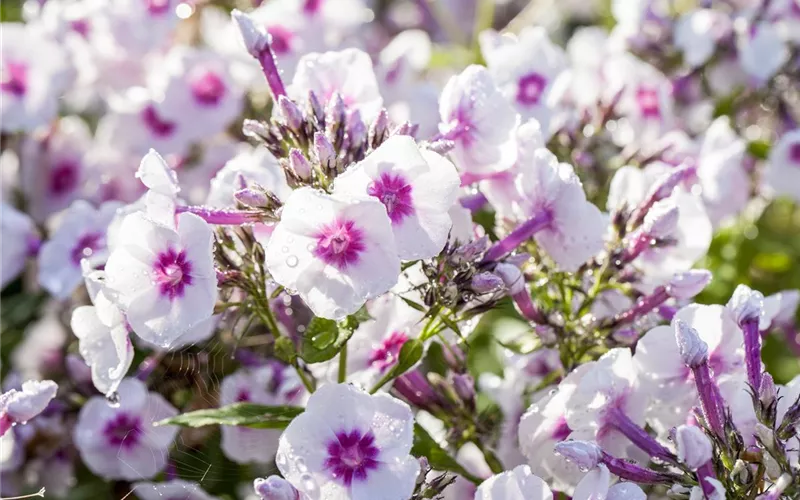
[(343, 364), (303, 378)]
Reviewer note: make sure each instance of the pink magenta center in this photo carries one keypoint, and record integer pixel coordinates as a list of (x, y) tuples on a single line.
[(172, 273), (461, 126), (158, 126), (351, 455), (15, 78), (63, 177), (339, 243), (86, 246), (531, 87), (281, 41), (794, 153), (647, 98), (207, 87), (157, 7), (395, 194), (385, 356), (123, 430)]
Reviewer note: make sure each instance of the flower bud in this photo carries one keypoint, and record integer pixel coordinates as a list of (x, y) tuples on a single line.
[(486, 282), (585, 454), (686, 285), (694, 447), (464, 386), (767, 393), (668, 182), (255, 129), (291, 114), (251, 197), (299, 164), (661, 220), (275, 488), (693, 350), (323, 149), (335, 111), (746, 304), (765, 435), (512, 277), (380, 127), (255, 39), (315, 108), (356, 129)]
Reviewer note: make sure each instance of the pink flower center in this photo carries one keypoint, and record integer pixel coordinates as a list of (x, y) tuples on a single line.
[(531, 87), (647, 98), (794, 153), (156, 125), (63, 177), (80, 26), (339, 243), (14, 79), (281, 41), (86, 246), (395, 194), (461, 128), (243, 396), (351, 456), (157, 7), (312, 6), (123, 430), (172, 273), (385, 355), (208, 88)]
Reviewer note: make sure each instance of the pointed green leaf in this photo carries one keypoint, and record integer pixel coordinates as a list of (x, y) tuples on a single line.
[(240, 414)]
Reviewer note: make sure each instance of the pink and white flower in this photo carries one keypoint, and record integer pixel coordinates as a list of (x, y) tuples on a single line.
[(349, 444), (121, 442), (273, 385), (164, 278), (19, 406), (516, 484), (335, 252), (417, 188), (80, 234), (480, 121)]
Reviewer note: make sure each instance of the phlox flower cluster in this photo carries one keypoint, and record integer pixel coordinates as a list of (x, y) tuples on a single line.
[(389, 250)]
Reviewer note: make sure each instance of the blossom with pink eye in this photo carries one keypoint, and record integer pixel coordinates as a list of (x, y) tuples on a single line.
[(174, 489), (35, 72), (479, 120), (417, 189), (335, 252), (348, 73), (19, 406), (164, 278), (121, 442), (516, 484), (20, 241), (273, 385), (349, 444), (782, 172), (81, 234), (58, 168), (524, 68)]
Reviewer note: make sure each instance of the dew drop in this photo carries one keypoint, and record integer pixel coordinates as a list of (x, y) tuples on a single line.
[(309, 485), (280, 459), (292, 261), (113, 399), (301, 465), (285, 249)]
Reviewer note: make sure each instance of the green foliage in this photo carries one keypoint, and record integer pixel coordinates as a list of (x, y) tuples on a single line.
[(438, 458), (241, 414)]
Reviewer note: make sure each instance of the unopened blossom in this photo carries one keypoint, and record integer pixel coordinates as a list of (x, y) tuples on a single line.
[(350, 444), (479, 120), (417, 188), (121, 442), (19, 406), (275, 488), (271, 385), (525, 68), (567, 226), (164, 278), (174, 488), (80, 234), (516, 484), (782, 173), (35, 72), (335, 252), (347, 73), (257, 166), (20, 240)]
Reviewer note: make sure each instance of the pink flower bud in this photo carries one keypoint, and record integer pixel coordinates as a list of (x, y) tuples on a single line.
[(661, 220), (299, 164), (251, 197), (686, 285), (275, 488), (694, 447), (585, 454), (291, 114), (747, 304), (486, 282), (692, 348)]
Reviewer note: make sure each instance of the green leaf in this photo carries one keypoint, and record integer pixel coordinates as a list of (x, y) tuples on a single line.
[(241, 414), (284, 350), (324, 338), (438, 458), (759, 149), (412, 304), (410, 354)]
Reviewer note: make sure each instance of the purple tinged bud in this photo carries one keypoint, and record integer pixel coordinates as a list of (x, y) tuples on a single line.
[(512, 277), (380, 127), (404, 129), (694, 351), (661, 220), (464, 386), (767, 393), (442, 146), (257, 43), (299, 164), (669, 181), (335, 112), (356, 129), (323, 149), (746, 304), (316, 107), (686, 285), (694, 447), (585, 454), (774, 493), (254, 129), (486, 282), (275, 488), (291, 114), (251, 197), (748, 307)]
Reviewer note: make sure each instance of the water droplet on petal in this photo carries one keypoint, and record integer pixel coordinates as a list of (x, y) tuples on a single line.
[(113, 399), (292, 261)]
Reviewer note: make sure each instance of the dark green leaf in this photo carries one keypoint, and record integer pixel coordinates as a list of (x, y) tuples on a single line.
[(284, 350), (412, 304), (410, 354), (759, 149), (438, 458), (324, 338), (241, 414)]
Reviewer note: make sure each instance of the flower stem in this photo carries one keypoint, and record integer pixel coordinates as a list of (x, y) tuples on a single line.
[(343, 364)]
